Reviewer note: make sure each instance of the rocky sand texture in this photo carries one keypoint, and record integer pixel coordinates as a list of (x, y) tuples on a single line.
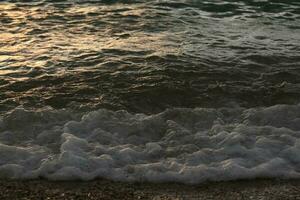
[(260, 189)]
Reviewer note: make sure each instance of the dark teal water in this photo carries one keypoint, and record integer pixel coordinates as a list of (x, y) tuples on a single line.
[(146, 56)]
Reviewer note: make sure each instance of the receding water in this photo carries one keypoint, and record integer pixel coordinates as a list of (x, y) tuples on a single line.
[(208, 76)]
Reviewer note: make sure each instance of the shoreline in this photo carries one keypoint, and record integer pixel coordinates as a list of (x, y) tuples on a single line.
[(106, 189)]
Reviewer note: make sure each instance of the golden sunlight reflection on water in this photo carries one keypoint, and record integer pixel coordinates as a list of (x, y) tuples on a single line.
[(37, 32)]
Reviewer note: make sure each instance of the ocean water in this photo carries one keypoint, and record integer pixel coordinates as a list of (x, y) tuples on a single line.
[(184, 91)]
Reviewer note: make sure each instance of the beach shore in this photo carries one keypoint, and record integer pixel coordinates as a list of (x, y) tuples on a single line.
[(261, 189)]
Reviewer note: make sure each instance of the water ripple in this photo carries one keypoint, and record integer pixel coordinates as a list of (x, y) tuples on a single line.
[(148, 56)]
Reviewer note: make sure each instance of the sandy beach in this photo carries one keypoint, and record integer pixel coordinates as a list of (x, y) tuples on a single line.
[(261, 189)]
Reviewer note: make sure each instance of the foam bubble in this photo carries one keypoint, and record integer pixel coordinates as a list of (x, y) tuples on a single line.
[(181, 145)]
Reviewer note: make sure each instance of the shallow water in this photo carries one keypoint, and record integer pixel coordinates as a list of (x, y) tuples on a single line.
[(209, 76), (146, 57)]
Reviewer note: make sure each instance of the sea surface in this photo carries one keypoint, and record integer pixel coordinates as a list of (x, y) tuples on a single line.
[(158, 90)]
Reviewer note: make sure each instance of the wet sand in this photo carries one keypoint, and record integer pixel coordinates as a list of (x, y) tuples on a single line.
[(261, 189)]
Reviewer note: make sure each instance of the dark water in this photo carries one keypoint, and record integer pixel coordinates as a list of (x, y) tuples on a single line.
[(146, 56), (218, 83)]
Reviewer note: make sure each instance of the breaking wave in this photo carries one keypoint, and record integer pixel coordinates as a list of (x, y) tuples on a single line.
[(181, 144)]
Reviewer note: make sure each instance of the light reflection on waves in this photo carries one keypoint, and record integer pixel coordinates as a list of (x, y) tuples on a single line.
[(149, 56)]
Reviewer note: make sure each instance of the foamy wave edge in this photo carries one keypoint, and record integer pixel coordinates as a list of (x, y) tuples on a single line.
[(179, 145)]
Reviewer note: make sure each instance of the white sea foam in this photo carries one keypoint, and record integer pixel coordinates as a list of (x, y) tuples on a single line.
[(182, 145)]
